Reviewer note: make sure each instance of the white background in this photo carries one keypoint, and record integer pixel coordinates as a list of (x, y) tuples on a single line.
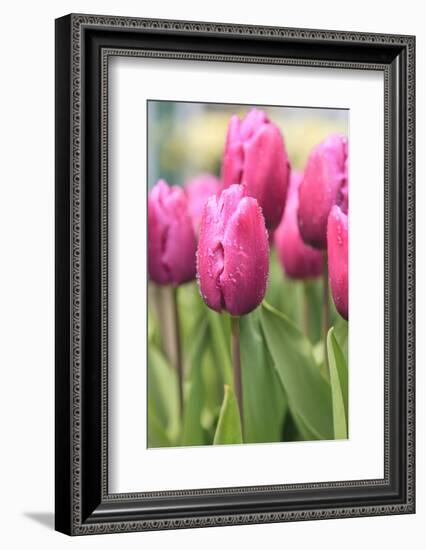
[(360, 457), (26, 300)]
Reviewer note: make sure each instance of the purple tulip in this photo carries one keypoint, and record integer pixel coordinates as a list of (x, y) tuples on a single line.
[(198, 190), (324, 184), (255, 156), (171, 237), (337, 246), (233, 252), (299, 260)]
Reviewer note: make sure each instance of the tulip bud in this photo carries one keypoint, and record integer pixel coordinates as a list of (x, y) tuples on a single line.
[(325, 183), (255, 156), (337, 246), (299, 260), (171, 238), (233, 252), (198, 190)]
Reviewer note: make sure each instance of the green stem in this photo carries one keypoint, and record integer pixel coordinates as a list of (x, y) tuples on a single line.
[(178, 348), (325, 309), (236, 366)]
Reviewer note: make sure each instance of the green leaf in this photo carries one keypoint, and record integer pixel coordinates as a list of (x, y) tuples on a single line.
[(157, 436), (228, 428), (318, 353), (154, 335), (339, 386), (220, 342), (296, 299), (304, 433), (160, 304), (285, 294), (341, 334), (151, 326), (163, 396), (191, 313), (313, 304), (291, 430), (264, 400), (334, 315), (308, 394), (213, 392), (192, 429), (198, 346), (192, 432)]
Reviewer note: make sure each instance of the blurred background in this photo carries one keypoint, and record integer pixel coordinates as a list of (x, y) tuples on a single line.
[(185, 139)]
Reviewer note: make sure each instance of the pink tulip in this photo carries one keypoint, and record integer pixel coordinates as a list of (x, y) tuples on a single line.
[(337, 246), (300, 261), (233, 252), (324, 184), (171, 238), (255, 156), (198, 190)]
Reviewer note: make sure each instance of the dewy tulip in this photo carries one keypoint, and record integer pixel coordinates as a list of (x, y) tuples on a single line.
[(337, 246), (233, 252), (324, 184), (255, 156), (300, 261), (198, 190), (171, 237)]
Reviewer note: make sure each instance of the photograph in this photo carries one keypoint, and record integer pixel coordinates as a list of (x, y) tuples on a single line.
[(210, 262), (224, 353), (248, 268)]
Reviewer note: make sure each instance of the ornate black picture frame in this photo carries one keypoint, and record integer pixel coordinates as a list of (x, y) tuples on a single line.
[(83, 45)]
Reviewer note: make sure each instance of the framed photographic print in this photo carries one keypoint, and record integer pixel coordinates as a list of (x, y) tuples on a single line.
[(234, 274)]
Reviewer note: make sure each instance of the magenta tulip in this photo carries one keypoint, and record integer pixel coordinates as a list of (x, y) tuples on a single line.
[(198, 190), (171, 237), (337, 246), (233, 252), (255, 156), (324, 184), (299, 260)]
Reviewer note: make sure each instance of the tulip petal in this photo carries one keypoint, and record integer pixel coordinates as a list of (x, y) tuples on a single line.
[(233, 252), (337, 246), (266, 172), (233, 134), (298, 259), (171, 238), (323, 186), (251, 122), (156, 236), (255, 156), (180, 246), (210, 252), (246, 252), (343, 195), (198, 190), (233, 158), (229, 201), (210, 255)]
